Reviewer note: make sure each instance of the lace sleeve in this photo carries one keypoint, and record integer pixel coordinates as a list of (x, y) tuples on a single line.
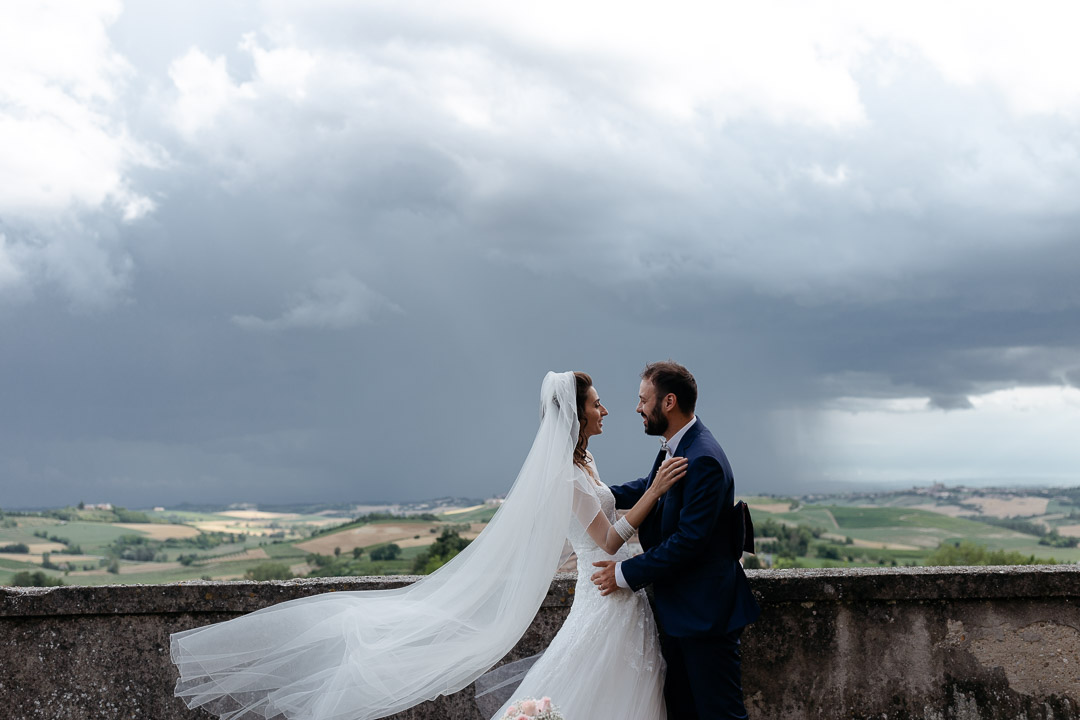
[(586, 501), (589, 514)]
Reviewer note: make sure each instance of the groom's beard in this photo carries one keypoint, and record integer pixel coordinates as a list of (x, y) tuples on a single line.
[(655, 422)]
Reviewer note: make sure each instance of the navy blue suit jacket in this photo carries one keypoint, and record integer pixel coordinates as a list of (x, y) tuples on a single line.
[(699, 587)]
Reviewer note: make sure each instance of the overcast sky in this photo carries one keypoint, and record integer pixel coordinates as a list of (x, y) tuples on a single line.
[(326, 251)]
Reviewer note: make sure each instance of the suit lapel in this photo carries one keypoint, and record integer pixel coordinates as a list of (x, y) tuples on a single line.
[(688, 438), (680, 451)]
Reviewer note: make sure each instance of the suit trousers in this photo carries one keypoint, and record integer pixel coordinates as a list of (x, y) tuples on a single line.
[(704, 677)]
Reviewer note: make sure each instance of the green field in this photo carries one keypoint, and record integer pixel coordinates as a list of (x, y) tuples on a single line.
[(815, 516), (224, 557), (902, 528), (482, 515), (821, 531), (6, 564), (10, 536), (183, 516), (284, 551), (91, 536), (24, 533)]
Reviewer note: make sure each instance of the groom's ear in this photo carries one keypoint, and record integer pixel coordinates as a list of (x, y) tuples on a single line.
[(669, 402)]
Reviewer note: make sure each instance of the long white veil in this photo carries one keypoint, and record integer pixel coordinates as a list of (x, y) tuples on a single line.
[(369, 654)]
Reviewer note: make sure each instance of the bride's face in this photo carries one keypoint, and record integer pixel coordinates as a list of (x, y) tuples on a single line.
[(594, 414)]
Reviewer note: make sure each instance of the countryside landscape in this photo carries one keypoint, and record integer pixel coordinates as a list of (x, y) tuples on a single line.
[(101, 544)]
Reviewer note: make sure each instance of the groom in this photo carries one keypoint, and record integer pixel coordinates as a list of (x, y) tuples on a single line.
[(701, 597)]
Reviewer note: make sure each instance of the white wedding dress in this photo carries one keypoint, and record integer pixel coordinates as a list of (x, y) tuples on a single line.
[(605, 661), (369, 654)]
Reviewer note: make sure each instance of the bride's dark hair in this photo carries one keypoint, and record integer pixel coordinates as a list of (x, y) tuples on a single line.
[(583, 382)]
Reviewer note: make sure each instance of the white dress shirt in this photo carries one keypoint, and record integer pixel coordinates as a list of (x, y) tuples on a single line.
[(673, 445)]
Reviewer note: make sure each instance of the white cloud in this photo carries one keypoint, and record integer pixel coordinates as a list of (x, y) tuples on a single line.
[(65, 152), (64, 145), (718, 60), (336, 302), (724, 114), (792, 63), (1029, 54), (285, 69), (204, 90), (838, 176)]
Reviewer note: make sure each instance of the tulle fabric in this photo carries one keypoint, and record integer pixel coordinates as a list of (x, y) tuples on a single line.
[(369, 654), (605, 661)]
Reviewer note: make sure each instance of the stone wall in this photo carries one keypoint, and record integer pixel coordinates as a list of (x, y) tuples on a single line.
[(896, 644), (930, 643)]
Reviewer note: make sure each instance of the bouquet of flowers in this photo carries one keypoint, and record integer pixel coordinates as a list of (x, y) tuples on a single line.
[(530, 709)]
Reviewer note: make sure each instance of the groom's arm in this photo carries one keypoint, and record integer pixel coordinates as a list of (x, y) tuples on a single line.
[(703, 492), (627, 494)]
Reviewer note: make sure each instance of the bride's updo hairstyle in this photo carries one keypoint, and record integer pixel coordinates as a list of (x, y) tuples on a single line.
[(584, 382)]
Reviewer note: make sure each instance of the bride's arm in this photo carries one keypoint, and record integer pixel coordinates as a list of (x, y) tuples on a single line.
[(607, 536)]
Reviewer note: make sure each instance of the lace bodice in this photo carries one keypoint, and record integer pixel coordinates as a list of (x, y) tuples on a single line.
[(595, 617), (605, 661), (583, 544)]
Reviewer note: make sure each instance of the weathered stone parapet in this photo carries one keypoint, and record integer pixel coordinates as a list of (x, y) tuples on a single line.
[(82, 653), (889, 644), (938, 584), (1000, 643), (201, 596)]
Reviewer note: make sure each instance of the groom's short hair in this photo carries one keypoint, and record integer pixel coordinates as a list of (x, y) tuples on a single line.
[(671, 377)]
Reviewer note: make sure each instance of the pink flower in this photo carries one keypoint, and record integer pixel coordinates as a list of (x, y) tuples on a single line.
[(522, 717), (544, 705), (511, 711), (528, 707)]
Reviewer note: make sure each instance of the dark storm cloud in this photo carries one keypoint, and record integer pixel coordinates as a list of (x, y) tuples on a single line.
[(951, 402), (353, 280)]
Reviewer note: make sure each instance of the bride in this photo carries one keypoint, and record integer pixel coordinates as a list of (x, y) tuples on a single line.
[(368, 654)]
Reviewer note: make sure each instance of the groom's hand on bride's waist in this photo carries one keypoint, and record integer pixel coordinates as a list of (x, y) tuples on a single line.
[(605, 577)]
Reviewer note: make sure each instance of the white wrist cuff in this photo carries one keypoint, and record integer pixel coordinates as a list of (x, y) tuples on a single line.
[(624, 528), (620, 579)]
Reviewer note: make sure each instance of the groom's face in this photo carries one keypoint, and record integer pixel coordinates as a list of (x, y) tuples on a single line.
[(648, 407)]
